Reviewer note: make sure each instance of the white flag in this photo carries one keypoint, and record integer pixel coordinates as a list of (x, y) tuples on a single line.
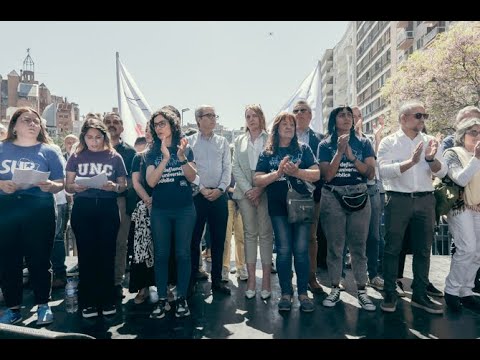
[(311, 91), (134, 109)]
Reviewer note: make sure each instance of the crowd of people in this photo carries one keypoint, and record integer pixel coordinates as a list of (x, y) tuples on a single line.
[(151, 211)]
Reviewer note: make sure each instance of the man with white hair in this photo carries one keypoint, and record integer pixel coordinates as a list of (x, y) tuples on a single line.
[(407, 159)]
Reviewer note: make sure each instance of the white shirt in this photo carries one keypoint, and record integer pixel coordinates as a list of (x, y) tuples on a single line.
[(398, 147), (254, 149), (303, 136)]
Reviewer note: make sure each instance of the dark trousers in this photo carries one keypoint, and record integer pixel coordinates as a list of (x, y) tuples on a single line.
[(95, 223), (216, 213), (419, 215), (27, 229)]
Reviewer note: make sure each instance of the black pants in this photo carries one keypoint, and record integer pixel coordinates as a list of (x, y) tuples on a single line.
[(27, 229), (95, 223), (216, 213)]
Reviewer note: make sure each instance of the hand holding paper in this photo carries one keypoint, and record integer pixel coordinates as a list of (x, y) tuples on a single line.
[(94, 182), (27, 178)]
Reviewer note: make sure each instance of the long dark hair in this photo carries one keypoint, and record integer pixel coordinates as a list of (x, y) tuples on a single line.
[(93, 121), (332, 125), (43, 136), (274, 137), (174, 121)]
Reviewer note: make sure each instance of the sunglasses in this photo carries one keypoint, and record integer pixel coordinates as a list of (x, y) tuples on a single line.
[(296, 111), (418, 116)]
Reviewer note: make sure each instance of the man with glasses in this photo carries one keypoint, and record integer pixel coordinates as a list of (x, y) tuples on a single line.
[(212, 156), (407, 160), (303, 115), (115, 128)]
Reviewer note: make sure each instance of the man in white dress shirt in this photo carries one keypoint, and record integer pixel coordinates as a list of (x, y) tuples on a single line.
[(408, 159)]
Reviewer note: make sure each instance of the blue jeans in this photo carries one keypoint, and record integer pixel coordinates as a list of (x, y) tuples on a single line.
[(163, 222), (58, 252), (292, 239)]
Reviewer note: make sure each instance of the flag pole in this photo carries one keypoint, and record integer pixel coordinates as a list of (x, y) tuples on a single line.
[(118, 85)]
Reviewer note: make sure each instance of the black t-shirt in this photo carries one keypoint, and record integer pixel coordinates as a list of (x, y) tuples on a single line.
[(277, 191), (347, 173), (139, 165), (173, 189)]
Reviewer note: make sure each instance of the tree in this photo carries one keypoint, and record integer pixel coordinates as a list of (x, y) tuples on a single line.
[(445, 77)]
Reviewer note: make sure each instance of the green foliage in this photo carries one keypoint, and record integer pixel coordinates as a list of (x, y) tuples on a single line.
[(445, 77)]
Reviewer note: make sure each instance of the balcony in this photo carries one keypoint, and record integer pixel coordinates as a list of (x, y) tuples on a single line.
[(327, 86), (402, 24), (404, 39), (430, 23), (428, 38)]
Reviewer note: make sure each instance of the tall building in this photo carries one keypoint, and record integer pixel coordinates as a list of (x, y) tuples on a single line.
[(374, 54), (344, 68)]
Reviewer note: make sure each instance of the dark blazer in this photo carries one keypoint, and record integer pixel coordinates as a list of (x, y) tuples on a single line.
[(313, 141)]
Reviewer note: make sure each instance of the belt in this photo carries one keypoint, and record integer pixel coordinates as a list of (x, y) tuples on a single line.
[(411, 195)]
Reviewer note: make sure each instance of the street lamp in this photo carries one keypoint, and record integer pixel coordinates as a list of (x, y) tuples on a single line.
[(184, 110)]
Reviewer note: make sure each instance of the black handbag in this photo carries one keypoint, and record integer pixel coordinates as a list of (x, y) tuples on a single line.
[(300, 207), (353, 202)]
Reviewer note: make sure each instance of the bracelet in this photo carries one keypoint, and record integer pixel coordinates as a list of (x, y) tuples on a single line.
[(429, 161), (183, 162), (353, 161)]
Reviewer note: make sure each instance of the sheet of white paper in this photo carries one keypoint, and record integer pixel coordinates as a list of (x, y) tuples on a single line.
[(28, 178), (95, 182)]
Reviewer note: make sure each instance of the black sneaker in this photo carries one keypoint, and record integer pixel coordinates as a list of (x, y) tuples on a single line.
[(453, 302), (471, 302), (425, 303), (433, 291), (220, 287), (182, 309), (159, 310), (109, 310), (89, 312), (389, 303)]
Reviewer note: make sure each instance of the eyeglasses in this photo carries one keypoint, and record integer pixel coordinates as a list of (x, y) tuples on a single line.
[(160, 124), (303, 110), (473, 133), (418, 116), (210, 116)]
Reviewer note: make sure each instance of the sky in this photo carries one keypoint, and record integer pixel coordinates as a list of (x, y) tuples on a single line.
[(227, 64)]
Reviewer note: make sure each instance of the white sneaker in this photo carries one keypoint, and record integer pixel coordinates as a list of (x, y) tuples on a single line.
[(225, 274), (153, 294), (242, 274)]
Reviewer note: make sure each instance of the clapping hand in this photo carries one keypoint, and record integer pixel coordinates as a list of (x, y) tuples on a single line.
[(431, 149), (417, 153), (181, 149)]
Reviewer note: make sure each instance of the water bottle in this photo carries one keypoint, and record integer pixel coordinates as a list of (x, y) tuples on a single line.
[(71, 297)]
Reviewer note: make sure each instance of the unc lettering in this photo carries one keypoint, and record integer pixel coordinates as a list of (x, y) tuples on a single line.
[(93, 169)]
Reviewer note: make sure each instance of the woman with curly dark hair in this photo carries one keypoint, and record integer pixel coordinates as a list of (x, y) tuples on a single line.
[(170, 170)]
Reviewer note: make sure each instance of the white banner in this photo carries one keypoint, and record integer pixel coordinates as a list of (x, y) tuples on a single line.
[(311, 91), (134, 109)]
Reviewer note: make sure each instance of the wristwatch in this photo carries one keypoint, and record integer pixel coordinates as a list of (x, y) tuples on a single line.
[(429, 160), (221, 190), (183, 162)]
